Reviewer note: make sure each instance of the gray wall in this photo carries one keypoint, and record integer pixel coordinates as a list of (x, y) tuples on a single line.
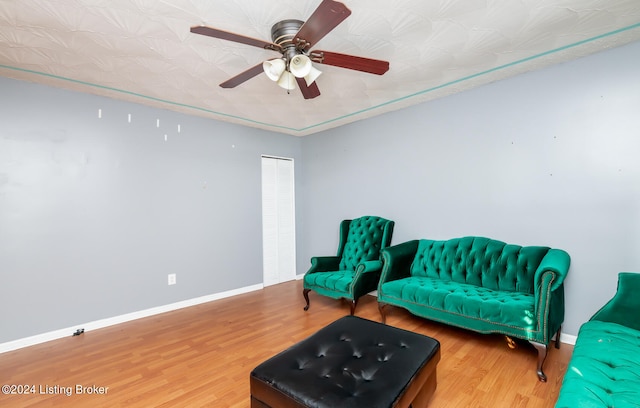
[(545, 158), (94, 213)]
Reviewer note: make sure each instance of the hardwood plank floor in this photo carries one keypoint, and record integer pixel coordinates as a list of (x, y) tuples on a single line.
[(201, 356)]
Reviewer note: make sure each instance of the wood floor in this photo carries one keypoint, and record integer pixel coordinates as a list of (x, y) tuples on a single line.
[(202, 356)]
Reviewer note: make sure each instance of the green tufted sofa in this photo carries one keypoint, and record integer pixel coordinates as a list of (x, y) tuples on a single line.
[(479, 284), (604, 370)]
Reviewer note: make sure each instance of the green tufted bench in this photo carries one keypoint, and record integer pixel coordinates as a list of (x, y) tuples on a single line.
[(604, 370), (479, 284)]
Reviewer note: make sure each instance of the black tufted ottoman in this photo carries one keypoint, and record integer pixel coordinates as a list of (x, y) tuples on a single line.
[(352, 362)]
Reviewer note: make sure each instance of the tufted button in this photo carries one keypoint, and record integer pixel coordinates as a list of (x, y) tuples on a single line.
[(302, 364)]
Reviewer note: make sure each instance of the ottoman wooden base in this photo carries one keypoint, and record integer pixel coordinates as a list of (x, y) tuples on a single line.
[(350, 363)]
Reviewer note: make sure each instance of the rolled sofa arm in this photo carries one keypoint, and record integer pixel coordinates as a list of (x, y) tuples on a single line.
[(397, 261), (324, 264), (369, 266), (556, 261)]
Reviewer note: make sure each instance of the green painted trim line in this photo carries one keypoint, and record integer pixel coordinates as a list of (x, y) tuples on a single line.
[(152, 98), (631, 27), (466, 78)]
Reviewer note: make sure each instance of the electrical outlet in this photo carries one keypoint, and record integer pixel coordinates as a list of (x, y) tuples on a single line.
[(171, 279)]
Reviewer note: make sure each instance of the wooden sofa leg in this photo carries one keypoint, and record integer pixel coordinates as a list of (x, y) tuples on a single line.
[(354, 303), (305, 293), (381, 307), (558, 337), (542, 355)]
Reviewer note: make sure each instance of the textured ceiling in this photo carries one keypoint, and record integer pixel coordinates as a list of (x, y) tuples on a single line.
[(142, 51)]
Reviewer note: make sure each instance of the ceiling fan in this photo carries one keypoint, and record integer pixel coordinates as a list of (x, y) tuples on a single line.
[(294, 40)]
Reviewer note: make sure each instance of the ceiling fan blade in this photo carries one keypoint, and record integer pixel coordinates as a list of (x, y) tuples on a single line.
[(225, 35), (309, 92), (324, 19), (242, 77), (372, 66)]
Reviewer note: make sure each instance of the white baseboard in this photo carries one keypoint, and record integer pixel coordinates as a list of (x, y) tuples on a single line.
[(568, 339), (98, 324)]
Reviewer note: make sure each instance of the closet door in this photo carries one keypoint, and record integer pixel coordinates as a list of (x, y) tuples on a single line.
[(278, 220)]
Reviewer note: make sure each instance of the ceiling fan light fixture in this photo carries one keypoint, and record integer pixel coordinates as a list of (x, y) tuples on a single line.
[(313, 74), (274, 68), (300, 65), (287, 81)]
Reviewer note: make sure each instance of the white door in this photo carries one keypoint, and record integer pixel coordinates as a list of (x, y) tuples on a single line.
[(278, 221)]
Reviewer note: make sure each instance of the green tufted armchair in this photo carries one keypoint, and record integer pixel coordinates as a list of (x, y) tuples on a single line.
[(355, 271), (604, 370)]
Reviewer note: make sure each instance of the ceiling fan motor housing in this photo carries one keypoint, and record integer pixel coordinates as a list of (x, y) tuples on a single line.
[(283, 33)]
